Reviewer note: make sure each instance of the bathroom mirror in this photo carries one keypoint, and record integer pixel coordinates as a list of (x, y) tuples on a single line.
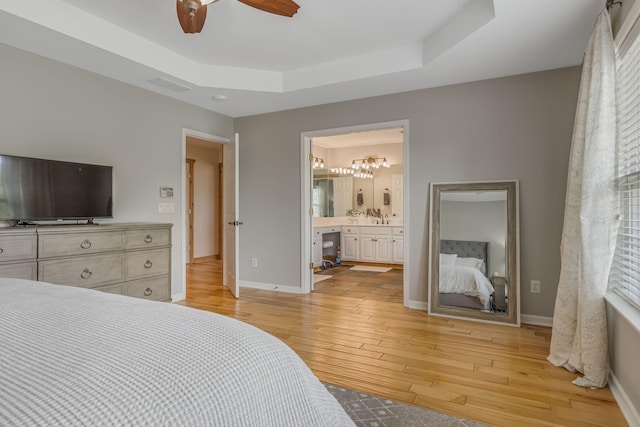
[(334, 195), (474, 251)]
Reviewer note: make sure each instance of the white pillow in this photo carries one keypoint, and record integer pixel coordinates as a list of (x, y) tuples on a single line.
[(476, 263), (448, 259)]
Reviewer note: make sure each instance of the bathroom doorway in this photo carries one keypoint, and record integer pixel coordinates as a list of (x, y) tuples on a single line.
[(355, 194)]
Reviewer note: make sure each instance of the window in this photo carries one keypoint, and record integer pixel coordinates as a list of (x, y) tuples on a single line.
[(625, 273)]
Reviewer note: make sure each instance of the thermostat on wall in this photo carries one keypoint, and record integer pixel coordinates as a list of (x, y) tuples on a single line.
[(166, 191)]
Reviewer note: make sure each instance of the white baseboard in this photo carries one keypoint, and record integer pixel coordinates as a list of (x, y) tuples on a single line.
[(418, 305), (178, 297), (629, 411), (530, 319), (271, 287)]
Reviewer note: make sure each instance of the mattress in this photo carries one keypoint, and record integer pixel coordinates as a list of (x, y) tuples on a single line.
[(467, 281), (72, 356)]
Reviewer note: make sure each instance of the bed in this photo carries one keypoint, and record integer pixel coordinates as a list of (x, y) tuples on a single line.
[(71, 356), (462, 275)]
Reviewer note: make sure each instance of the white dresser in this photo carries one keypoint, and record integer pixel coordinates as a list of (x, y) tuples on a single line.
[(130, 259)]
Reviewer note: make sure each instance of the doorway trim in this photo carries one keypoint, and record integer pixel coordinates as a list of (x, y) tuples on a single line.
[(190, 209), (306, 272), (183, 203)]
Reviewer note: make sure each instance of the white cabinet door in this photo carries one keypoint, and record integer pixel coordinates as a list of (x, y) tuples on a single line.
[(397, 250), (368, 248), (383, 249), (317, 249), (349, 247), (317, 252)]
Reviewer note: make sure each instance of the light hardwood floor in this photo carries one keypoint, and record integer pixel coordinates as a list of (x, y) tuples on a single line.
[(357, 339)]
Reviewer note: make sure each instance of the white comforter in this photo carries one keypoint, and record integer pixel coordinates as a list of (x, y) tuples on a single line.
[(71, 356), (455, 279)]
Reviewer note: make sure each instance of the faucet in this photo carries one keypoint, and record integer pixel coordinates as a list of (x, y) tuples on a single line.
[(386, 216)]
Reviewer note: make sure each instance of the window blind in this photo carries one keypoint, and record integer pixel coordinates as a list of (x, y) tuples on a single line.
[(625, 273)]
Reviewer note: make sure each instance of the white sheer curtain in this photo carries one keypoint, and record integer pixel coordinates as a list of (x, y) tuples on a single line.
[(579, 338)]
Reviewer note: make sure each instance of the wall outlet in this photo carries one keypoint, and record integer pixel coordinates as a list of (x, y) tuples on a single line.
[(254, 262), (535, 286)]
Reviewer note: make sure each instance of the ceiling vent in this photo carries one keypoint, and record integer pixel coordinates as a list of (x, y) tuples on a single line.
[(168, 84)]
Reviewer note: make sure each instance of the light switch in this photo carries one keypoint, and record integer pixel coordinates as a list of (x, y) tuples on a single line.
[(166, 207)]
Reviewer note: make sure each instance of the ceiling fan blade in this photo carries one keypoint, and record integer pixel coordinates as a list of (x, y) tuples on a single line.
[(278, 7), (191, 24)]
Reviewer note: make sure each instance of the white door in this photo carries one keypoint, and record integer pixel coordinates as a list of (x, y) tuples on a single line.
[(397, 198), (342, 195), (231, 234)]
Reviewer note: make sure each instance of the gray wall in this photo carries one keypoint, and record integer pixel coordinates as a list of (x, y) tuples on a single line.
[(510, 128), (51, 110), (478, 222)]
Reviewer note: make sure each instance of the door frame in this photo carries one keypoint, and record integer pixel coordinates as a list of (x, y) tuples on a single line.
[(207, 137), (306, 273), (190, 208)]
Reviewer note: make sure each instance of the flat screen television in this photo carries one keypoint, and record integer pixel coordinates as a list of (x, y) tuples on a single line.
[(39, 189)]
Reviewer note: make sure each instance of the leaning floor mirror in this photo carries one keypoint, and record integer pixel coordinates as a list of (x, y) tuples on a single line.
[(474, 251)]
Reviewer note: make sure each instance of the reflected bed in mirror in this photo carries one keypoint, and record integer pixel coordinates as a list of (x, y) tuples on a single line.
[(474, 251)]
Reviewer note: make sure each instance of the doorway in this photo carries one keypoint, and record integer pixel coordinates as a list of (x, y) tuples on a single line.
[(204, 200), (354, 210)]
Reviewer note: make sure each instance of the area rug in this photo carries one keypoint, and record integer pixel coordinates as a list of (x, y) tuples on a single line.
[(367, 410), (370, 268), (320, 277)]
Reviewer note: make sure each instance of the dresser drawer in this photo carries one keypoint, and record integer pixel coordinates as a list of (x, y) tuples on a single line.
[(111, 289), (398, 231), (155, 288), (148, 238), (85, 271), (13, 248), (21, 270), (147, 263), (55, 245)]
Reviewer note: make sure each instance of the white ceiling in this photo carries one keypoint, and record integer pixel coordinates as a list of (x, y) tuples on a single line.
[(331, 50), (361, 139)]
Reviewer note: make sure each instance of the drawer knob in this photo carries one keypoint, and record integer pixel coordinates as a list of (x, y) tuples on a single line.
[(1, 251), (148, 264), (86, 244), (148, 292), (148, 239), (86, 273)]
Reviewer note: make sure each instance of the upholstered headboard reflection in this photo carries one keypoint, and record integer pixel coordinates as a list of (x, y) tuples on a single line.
[(467, 249)]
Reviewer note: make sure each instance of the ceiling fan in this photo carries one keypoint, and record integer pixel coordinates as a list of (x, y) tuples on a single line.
[(192, 13)]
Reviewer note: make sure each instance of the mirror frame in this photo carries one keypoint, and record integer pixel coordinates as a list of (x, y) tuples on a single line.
[(512, 255)]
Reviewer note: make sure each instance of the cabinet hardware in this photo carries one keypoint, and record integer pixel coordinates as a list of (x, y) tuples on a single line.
[(86, 273), (1, 251), (148, 239), (148, 264), (148, 292), (86, 244)]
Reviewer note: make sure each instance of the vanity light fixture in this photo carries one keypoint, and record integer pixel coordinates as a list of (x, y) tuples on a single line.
[(318, 163), (370, 162), (354, 172)]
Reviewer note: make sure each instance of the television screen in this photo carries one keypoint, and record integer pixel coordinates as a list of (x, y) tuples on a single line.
[(38, 189)]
